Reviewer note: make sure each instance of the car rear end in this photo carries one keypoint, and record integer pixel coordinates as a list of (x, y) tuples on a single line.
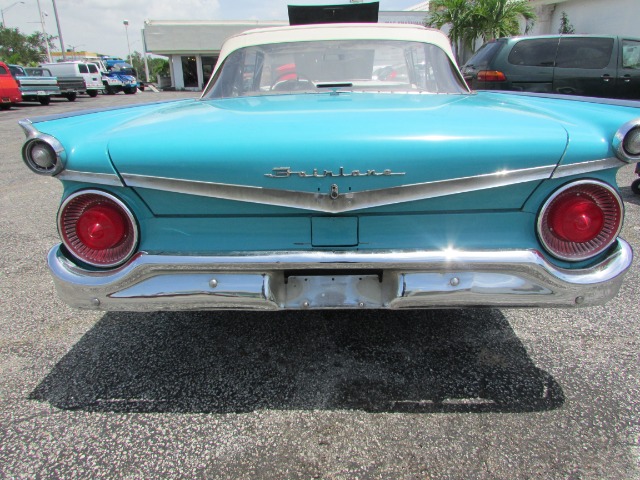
[(413, 225), (524, 64), (71, 86), (9, 90), (480, 72), (333, 188)]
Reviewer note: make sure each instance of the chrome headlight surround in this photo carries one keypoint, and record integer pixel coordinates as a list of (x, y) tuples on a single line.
[(626, 141), (42, 153)]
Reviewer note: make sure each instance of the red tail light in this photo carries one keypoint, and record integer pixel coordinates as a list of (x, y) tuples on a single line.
[(491, 76), (97, 228), (580, 220)]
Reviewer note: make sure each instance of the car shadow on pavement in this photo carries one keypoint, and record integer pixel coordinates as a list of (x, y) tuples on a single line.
[(409, 361), (628, 196)]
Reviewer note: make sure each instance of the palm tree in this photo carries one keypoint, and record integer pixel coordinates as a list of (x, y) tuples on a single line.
[(473, 19), (501, 18), (459, 15)]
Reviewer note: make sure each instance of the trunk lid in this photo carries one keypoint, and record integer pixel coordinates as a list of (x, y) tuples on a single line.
[(351, 142)]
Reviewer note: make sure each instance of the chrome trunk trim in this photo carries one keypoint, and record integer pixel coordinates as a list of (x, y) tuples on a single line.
[(343, 202), (330, 280)]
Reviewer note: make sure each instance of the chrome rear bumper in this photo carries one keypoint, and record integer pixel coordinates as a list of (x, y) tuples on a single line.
[(324, 280)]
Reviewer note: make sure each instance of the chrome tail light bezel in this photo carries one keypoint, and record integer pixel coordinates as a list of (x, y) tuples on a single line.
[(70, 239), (582, 251)]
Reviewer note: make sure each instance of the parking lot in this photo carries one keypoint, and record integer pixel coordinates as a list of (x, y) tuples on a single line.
[(442, 394)]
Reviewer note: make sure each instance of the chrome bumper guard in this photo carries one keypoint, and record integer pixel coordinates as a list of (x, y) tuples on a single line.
[(326, 280)]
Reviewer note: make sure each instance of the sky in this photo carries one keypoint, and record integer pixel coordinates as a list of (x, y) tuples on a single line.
[(98, 25)]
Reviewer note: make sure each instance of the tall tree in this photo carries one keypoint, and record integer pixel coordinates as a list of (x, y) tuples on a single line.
[(15, 47)]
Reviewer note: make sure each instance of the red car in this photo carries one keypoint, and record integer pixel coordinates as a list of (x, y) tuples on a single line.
[(9, 91)]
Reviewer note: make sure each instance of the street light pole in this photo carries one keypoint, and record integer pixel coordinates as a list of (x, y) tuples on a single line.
[(5, 9), (55, 11), (44, 33), (126, 31), (144, 50)]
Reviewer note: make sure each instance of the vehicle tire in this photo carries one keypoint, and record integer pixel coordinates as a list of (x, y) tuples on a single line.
[(108, 90), (130, 91), (44, 100), (71, 96), (141, 88), (92, 93), (5, 106), (635, 186)]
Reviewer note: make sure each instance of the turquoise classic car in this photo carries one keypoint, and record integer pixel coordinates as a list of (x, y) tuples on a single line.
[(304, 179)]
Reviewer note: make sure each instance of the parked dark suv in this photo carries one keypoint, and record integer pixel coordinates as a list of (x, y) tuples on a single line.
[(590, 65)]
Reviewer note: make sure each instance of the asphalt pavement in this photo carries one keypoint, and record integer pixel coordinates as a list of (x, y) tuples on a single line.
[(442, 394)]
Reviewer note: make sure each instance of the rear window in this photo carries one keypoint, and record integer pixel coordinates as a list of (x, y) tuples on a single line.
[(589, 53), (539, 52), (484, 55), (3, 71), (317, 66), (16, 71)]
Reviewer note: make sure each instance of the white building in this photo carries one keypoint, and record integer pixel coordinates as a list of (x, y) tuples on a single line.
[(193, 47), (610, 17)]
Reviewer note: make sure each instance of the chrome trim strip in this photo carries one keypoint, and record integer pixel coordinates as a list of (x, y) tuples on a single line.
[(415, 279), (344, 202), (110, 179), (587, 167)]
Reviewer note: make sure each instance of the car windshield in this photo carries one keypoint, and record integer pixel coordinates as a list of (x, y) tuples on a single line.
[(320, 66), (123, 68)]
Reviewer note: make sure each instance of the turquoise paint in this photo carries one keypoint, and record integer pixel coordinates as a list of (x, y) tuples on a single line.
[(334, 231), (465, 231), (429, 138), (240, 141), (202, 236)]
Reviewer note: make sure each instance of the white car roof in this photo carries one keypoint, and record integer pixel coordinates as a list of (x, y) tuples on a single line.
[(336, 31)]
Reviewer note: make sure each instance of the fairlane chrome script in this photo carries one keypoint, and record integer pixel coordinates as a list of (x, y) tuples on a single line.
[(284, 172)]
